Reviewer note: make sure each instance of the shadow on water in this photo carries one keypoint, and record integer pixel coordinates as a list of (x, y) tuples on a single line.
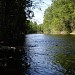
[(11, 56)]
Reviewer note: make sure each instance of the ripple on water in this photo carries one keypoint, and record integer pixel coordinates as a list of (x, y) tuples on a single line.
[(51, 54)]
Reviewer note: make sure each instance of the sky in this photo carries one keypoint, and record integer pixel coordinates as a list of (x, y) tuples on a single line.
[(38, 14)]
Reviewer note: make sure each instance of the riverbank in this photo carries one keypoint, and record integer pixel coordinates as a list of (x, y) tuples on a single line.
[(73, 33), (60, 33)]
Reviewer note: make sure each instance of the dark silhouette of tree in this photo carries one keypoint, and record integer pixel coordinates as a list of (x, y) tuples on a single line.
[(13, 17), (13, 26)]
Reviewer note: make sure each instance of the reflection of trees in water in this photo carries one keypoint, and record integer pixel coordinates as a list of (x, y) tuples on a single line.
[(67, 61)]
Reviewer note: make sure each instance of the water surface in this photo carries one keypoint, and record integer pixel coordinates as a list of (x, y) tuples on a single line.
[(50, 54)]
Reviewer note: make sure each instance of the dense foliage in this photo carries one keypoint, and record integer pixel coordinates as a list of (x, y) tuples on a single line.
[(60, 17), (34, 27), (13, 17)]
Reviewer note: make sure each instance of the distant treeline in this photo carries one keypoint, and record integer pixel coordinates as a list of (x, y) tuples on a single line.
[(35, 28)]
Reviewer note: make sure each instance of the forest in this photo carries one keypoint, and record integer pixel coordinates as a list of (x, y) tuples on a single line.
[(15, 19), (59, 18)]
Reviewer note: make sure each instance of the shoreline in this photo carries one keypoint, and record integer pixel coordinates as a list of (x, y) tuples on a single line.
[(72, 33)]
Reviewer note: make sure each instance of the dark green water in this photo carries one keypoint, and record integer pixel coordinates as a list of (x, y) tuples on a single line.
[(50, 54)]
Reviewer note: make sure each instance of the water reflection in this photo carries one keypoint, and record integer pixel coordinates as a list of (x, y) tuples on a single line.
[(50, 54), (67, 61)]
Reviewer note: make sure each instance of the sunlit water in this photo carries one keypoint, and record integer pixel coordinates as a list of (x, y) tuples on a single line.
[(50, 54)]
